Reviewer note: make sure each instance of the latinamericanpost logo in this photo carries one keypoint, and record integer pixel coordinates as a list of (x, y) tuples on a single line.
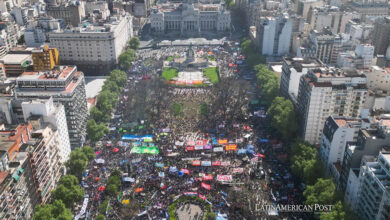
[(274, 209)]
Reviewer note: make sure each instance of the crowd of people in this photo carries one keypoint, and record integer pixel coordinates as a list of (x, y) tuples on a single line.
[(228, 159)]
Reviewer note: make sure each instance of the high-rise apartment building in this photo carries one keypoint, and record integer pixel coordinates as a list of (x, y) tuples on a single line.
[(274, 35), (292, 70), (380, 35), (373, 200), (338, 130), (45, 59), (94, 49), (53, 114), (369, 143), (65, 85), (328, 91)]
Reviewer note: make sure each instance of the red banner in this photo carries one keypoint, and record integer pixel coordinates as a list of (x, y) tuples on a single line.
[(231, 147), (206, 186), (202, 196), (216, 163), (205, 142), (196, 163), (261, 155), (190, 148), (208, 177), (225, 178), (238, 170), (199, 142), (185, 171)]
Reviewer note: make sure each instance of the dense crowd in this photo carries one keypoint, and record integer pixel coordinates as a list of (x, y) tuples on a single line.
[(230, 157)]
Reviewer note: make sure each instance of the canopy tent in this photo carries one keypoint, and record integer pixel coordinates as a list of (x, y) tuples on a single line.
[(99, 161), (139, 190), (128, 179), (241, 151), (101, 189), (115, 150), (144, 150)]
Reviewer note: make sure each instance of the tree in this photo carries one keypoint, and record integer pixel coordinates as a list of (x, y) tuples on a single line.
[(77, 162), (283, 117), (249, 49), (68, 181), (89, 152), (96, 131), (103, 206), (176, 109), (337, 213), (112, 189), (322, 192), (95, 113), (204, 110), (111, 86), (119, 77), (100, 217), (134, 43), (53, 211), (68, 191), (126, 58)]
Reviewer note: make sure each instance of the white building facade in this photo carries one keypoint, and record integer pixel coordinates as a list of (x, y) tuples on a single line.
[(94, 49), (328, 91), (55, 115), (190, 19)]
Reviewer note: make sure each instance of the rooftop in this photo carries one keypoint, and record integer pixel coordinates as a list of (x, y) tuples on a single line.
[(60, 73), (15, 58)]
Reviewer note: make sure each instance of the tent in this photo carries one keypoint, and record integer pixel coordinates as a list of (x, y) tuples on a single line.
[(115, 150), (102, 188)]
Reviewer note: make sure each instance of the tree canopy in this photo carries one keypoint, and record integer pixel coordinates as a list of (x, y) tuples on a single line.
[(322, 192), (337, 213), (68, 191), (268, 80), (249, 49), (96, 131), (204, 109), (126, 58), (54, 211), (77, 162), (283, 117), (89, 152), (134, 43), (304, 162)]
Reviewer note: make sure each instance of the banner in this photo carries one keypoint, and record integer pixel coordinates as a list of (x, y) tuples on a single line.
[(199, 142), (218, 149), (202, 196), (238, 170), (254, 160), (231, 147), (216, 163), (185, 171), (207, 177), (225, 163), (178, 143), (222, 141), (191, 143), (144, 150), (196, 163), (190, 148), (206, 186), (224, 178), (190, 193), (206, 163), (207, 147), (197, 147)]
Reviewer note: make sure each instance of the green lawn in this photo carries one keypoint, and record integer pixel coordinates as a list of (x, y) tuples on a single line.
[(212, 74), (169, 73), (211, 58), (170, 58)]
